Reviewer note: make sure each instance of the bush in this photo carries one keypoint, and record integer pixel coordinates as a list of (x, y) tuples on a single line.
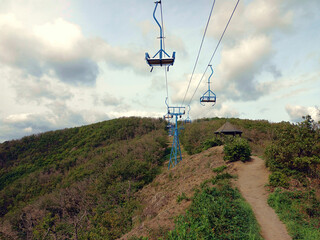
[(237, 149), (181, 197), (295, 147), (278, 179), (219, 169), (213, 142)]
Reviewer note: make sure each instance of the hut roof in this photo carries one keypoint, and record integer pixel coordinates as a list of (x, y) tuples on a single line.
[(228, 128)]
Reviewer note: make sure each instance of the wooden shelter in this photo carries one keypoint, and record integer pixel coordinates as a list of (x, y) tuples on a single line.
[(228, 129)]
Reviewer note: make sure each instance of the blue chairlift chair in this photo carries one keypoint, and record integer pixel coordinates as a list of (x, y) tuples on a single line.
[(188, 119), (208, 96), (164, 58)]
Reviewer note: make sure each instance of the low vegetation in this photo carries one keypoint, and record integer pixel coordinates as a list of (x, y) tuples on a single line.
[(237, 149), (299, 210), (199, 135), (217, 212), (78, 183), (294, 159)]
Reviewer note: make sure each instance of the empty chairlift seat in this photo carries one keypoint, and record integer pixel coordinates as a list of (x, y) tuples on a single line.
[(161, 58), (152, 62)]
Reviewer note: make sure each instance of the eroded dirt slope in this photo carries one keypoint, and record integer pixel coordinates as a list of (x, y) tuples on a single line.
[(159, 199)]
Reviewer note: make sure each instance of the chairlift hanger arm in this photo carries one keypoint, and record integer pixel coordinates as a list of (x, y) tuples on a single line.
[(154, 16), (210, 76)]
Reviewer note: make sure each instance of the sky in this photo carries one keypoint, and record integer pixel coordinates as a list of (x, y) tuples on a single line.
[(67, 63)]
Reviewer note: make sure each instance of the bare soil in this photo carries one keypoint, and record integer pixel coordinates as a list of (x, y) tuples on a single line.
[(159, 199), (252, 178)]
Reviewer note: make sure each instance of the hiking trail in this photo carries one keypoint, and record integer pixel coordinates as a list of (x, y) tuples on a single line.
[(252, 178)]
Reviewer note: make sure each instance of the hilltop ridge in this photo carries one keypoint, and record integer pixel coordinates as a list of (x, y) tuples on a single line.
[(110, 180)]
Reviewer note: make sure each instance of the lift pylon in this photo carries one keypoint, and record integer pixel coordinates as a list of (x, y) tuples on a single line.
[(177, 112)]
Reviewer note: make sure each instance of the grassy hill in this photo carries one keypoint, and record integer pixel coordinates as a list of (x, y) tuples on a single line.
[(92, 182), (80, 181)]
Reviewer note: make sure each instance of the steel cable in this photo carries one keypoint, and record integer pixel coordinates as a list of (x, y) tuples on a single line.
[(164, 47), (196, 62), (215, 50)]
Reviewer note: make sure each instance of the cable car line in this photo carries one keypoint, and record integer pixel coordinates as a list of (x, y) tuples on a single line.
[(164, 48), (215, 50), (165, 73), (196, 62)]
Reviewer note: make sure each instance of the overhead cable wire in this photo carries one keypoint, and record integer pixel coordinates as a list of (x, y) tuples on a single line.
[(164, 47), (196, 62), (165, 73), (215, 50)]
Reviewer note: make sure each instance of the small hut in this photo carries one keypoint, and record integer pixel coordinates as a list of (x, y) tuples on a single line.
[(228, 129)]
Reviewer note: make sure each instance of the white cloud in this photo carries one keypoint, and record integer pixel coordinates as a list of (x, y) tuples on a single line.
[(17, 118), (268, 15), (117, 56), (220, 16), (107, 99), (157, 84), (146, 27), (177, 45), (296, 112), (30, 88), (180, 87), (257, 17), (59, 36), (58, 116), (133, 113), (28, 130), (221, 109), (59, 49), (249, 53), (240, 65)]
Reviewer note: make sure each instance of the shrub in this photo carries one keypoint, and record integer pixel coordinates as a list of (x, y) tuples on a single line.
[(181, 197), (219, 169), (237, 149), (212, 142), (278, 179)]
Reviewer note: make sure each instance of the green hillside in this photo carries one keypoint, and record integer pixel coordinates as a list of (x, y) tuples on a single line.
[(80, 181)]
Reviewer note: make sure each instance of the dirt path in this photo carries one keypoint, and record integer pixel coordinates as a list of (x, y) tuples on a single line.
[(252, 177)]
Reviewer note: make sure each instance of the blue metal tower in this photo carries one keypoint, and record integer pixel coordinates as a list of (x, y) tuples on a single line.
[(175, 149)]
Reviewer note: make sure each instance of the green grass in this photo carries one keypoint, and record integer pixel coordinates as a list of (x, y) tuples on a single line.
[(219, 169), (300, 211), (216, 213)]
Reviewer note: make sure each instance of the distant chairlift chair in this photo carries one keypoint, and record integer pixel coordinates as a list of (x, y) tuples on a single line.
[(188, 119), (208, 96)]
